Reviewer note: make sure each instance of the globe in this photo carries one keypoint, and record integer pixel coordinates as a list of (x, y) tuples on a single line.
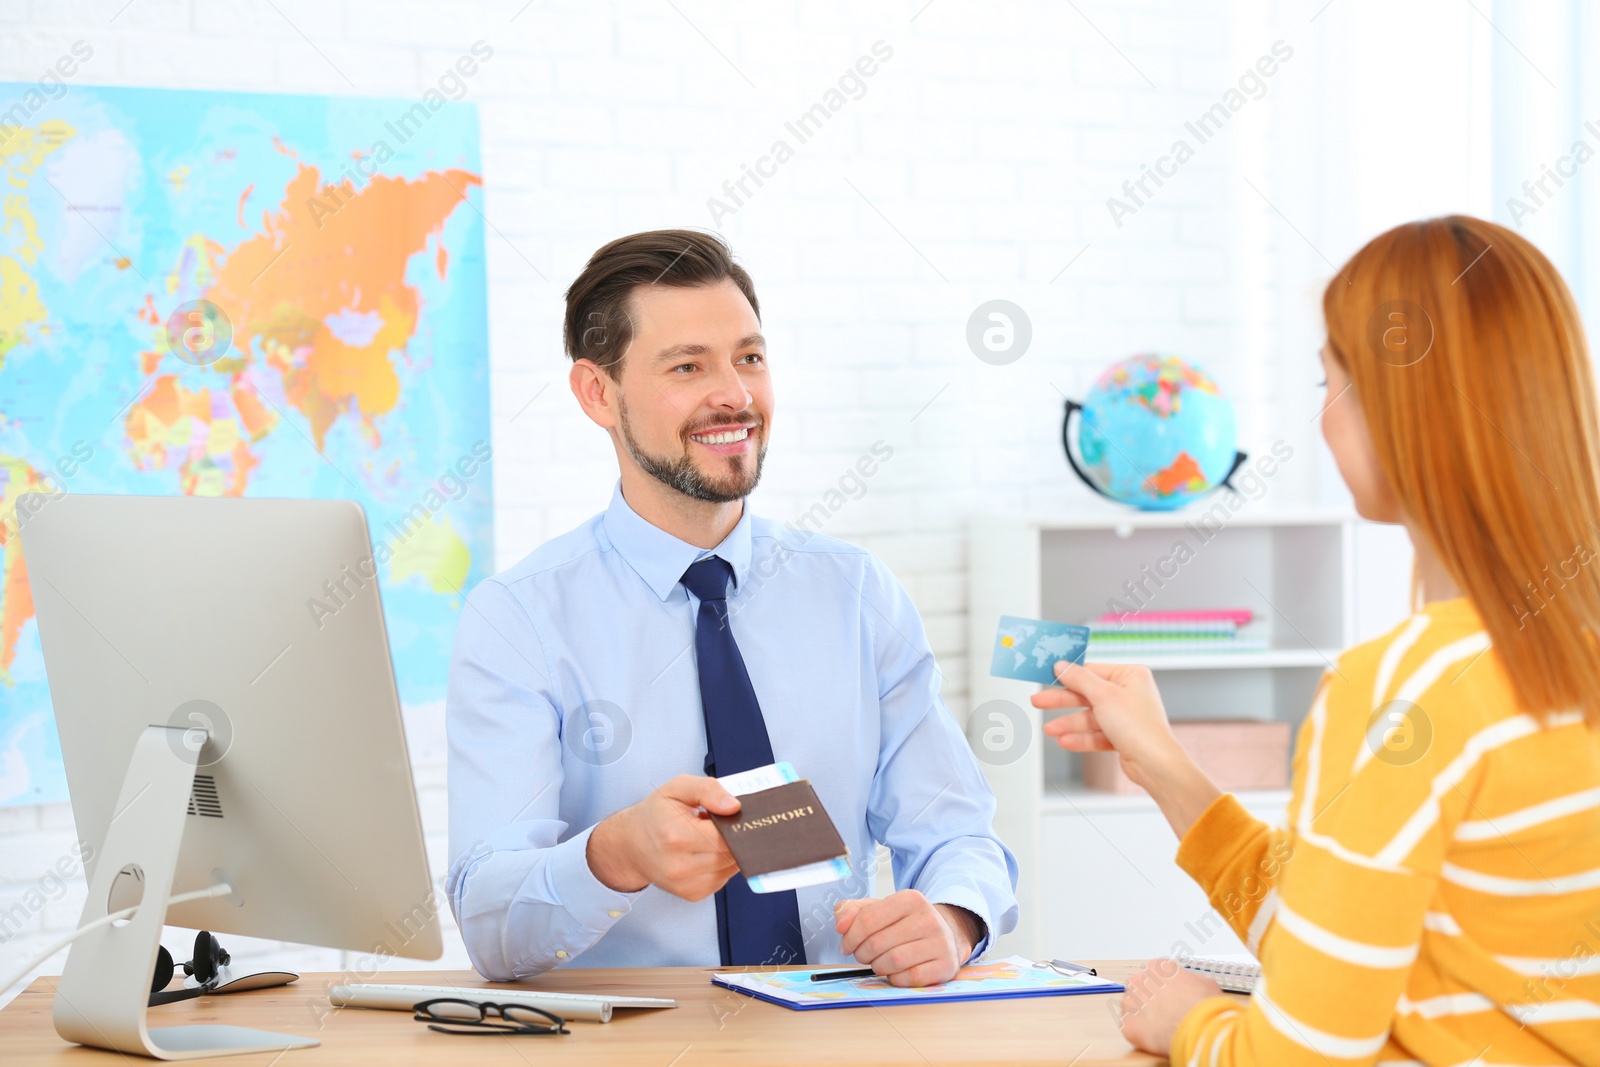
[(1154, 432)]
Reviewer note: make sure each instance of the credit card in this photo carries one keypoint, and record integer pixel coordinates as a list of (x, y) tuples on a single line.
[(1027, 649)]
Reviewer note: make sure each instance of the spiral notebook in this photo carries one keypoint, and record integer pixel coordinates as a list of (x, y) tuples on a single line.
[(1237, 973)]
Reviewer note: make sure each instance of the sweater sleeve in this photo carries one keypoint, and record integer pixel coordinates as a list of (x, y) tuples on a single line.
[(1339, 930), (1237, 859)]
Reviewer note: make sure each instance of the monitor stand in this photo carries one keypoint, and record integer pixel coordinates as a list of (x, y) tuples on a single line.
[(104, 989)]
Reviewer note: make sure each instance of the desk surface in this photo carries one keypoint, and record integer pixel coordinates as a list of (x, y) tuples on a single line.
[(1073, 1029)]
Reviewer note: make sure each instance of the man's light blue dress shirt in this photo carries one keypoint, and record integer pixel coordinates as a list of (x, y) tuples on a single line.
[(573, 692)]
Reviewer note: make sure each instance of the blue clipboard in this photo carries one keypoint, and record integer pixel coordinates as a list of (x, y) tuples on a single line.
[(793, 989)]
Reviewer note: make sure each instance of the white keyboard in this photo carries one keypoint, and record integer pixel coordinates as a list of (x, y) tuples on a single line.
[(1235, 973), (595, 1007)]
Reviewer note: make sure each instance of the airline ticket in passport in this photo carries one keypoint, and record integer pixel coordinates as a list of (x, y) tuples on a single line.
[(1027, 649)]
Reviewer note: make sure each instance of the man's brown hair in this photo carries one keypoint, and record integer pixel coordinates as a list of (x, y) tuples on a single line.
[(599, 324)]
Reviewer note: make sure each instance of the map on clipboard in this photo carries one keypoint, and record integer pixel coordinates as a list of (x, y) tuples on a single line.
[(1012, 976)]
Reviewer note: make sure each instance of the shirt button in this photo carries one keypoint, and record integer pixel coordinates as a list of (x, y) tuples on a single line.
[(614, 913), (561, 954)]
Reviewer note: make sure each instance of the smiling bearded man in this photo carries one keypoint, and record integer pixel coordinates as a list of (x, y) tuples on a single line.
[(600, 687)]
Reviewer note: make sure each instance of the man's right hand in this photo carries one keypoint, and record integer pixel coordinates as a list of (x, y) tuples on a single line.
[(666, 840)]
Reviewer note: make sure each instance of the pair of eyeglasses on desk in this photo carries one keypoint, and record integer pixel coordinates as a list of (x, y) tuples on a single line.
[(451, 1016)]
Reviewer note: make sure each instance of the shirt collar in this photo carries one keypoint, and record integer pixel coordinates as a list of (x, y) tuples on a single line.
[(660, 558)]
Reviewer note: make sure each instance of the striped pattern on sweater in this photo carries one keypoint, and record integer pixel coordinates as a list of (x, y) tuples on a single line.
[(1435, 897)]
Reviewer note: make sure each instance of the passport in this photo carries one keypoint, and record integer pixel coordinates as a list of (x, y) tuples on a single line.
[(780, 829), (769, 777), (1027, 649)]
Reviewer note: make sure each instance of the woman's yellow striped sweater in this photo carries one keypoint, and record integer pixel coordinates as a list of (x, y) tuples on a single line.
[(1435, 897)]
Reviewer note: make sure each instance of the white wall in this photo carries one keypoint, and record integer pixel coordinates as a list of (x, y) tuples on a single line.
[(976, 165)]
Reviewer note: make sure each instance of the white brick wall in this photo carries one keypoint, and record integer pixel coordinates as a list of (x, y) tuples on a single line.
[(989, 141)]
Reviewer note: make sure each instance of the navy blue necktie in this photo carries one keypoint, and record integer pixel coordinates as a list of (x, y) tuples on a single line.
[(752, 928)]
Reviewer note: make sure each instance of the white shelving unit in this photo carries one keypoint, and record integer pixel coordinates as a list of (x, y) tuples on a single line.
[(1097, 873)]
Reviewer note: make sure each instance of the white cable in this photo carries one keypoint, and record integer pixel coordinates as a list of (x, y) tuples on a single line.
[(221, 889)]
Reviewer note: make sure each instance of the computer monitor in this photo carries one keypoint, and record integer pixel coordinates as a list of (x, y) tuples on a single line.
[(219, 723)]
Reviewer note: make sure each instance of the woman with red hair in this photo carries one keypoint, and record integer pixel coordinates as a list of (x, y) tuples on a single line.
[(1435, 895)]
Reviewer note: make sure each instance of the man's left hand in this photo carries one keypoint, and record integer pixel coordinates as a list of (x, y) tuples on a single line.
[(905, 938)]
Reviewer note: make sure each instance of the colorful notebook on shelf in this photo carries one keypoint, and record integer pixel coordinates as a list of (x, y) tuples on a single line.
[(1197, 618), (1009, 977), (1153, 633)]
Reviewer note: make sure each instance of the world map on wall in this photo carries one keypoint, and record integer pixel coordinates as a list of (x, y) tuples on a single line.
[(232, 294)]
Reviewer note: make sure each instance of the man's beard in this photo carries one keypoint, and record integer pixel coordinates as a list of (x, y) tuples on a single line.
[(682, 474)]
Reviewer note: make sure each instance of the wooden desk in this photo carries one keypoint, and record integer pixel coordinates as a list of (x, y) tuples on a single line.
[(1077, 1030)]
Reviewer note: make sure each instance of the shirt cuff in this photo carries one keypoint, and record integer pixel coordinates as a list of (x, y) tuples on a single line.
[(1212, 842), (591, 903)]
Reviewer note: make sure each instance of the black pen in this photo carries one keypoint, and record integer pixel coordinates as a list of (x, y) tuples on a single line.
[(833, 976)]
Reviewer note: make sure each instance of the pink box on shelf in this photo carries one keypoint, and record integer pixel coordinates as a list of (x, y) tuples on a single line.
[(1234, 754)]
